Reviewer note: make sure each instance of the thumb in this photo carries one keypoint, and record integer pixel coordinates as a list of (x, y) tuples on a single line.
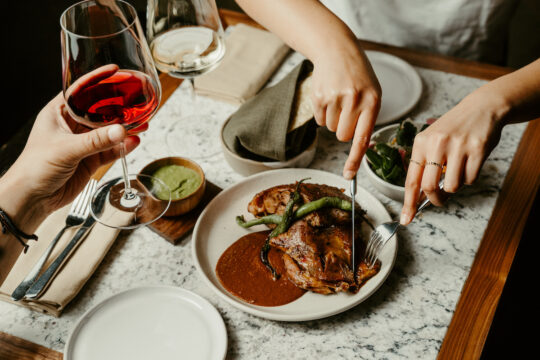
[(97, 140)]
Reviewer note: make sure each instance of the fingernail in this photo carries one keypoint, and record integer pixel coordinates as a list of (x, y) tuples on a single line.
[(405, 218), (116, 133), (348, 174)]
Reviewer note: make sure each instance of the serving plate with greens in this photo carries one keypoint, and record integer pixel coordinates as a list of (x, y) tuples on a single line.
[(387, 159)]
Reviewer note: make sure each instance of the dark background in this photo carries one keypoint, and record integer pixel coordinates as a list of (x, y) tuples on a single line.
[(31, 53)]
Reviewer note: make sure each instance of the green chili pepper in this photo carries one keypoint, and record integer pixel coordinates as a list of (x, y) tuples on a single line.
[(283, 226), (269, 219)]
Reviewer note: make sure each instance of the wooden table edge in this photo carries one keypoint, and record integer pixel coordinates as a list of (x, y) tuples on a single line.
[(474, 312)]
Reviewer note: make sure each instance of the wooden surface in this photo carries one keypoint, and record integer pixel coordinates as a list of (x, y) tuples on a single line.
[(474, 313), (174, 229), (12, 348)]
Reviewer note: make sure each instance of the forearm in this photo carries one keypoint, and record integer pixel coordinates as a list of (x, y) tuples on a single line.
[(23, 209), (515, 97), (305, 25)]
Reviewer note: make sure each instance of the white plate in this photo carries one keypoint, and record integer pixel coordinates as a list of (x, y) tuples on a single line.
[(401, 86), (156, 322), (216, 230)]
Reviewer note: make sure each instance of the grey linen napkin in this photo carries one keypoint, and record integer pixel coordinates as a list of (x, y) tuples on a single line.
[(259, 129)]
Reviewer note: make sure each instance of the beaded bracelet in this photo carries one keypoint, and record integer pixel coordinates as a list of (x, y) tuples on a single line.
[(7, 225)]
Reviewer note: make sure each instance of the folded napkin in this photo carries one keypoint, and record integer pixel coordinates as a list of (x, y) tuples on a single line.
[(277, 124), (251, 56), (75, 272)]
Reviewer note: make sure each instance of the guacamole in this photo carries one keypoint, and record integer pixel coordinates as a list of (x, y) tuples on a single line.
[(181, 180)]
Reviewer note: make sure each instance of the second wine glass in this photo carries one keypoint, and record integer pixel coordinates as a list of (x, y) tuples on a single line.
[(186, 40)]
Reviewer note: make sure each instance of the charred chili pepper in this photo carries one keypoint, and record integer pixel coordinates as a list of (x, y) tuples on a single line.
[(286, 220)]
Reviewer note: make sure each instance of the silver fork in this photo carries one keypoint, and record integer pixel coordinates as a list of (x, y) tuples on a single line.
[(383, 233), (77, 214)]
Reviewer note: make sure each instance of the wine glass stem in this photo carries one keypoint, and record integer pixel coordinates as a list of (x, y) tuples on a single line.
[(191, 83), (128, 192)]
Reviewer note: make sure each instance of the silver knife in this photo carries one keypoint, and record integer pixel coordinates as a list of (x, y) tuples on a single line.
[(45, 279), (353, 245)]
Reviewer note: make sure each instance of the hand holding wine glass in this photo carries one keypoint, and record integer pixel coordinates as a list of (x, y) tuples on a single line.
[(109, 78), (59, 158)]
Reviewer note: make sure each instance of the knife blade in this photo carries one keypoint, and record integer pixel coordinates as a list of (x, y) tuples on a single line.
[(353, 242), (48, 275), (45, 279)]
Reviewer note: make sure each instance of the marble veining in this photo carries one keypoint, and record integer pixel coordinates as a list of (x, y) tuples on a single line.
[(406, 318)]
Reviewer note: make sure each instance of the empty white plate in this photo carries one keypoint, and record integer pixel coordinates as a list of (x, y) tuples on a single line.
[(156, 322), (400, 83)]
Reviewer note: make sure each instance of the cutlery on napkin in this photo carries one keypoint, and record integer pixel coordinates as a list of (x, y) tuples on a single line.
[(251, 57), (277, 124), (74, 273)]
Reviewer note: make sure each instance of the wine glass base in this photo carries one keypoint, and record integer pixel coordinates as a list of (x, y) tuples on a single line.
[(111, 207), (195, 136)]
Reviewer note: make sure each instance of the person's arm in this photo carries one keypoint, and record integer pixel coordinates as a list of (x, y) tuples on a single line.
[(346, 94), (56, 163), (465, 136)]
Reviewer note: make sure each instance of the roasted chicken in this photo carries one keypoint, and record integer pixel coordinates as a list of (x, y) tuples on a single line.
[(317, 248)]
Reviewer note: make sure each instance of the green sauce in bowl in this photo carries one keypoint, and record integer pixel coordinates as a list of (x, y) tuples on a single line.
[(181, 180)]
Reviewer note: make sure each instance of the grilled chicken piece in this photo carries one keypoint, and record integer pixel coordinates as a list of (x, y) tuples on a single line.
[(319, 259), (316, 249), (274, 200)]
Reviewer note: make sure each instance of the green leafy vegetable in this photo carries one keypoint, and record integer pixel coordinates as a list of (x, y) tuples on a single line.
[(406, 133)]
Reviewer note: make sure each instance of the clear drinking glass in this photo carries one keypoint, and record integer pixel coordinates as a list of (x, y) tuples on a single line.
[(186, 40), (109, 78)]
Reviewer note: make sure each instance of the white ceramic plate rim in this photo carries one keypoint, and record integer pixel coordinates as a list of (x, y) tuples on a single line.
[(273, 313), (404, 67), (211, 312)]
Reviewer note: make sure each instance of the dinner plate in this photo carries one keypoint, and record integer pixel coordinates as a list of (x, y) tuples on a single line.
[(155, 322), (216, 230), (400, 83)]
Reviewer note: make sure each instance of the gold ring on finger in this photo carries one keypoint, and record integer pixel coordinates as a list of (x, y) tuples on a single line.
[(417, 162), (434, 163)]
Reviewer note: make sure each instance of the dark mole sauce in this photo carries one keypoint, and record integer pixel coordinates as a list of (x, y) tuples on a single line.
[(241, 271)]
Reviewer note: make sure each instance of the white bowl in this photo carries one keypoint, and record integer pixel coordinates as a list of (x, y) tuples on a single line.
[(248, 167), (392, 191)]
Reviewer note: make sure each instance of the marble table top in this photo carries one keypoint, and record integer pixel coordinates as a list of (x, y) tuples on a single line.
[(406, 318)]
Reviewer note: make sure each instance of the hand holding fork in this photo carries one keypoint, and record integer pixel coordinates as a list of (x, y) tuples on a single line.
[(383, 233)]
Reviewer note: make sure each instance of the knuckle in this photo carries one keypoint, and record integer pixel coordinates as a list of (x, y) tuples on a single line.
[(420, 139), (362, 141), (441, 139), (372, 98), (429, 188), (476, 145), (412, 183), (94, 141)]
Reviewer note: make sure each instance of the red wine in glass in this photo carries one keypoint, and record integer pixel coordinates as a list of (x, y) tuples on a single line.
[(127, 97)]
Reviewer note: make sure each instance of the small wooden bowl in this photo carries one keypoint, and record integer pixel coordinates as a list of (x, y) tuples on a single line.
[(182, 205)]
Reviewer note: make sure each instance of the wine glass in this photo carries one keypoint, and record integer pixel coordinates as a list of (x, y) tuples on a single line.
[(109, 78), (186, 40)]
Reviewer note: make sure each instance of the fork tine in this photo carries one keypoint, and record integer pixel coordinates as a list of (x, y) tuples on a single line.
[(375, 253), (80, 204), (374, 239)]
